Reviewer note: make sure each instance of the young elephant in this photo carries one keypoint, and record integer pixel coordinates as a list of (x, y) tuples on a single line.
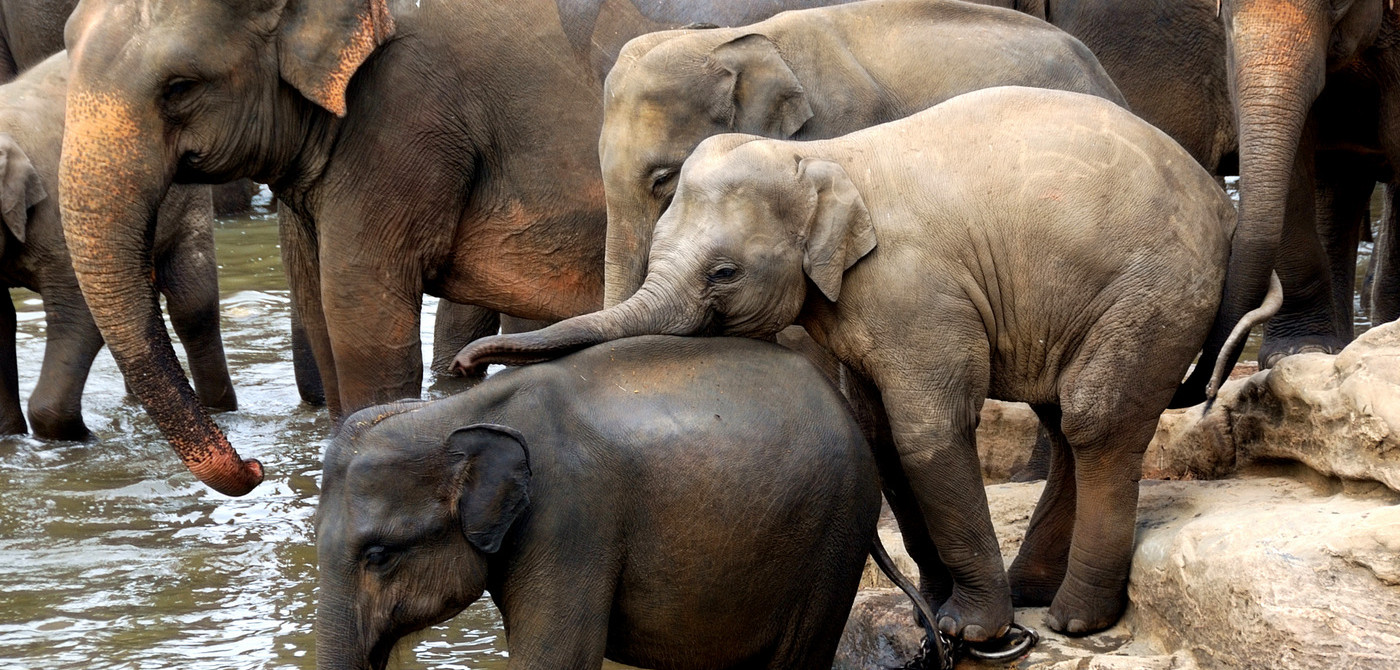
[(663, 502), (35, 256), (1014, 243), (808, 74)]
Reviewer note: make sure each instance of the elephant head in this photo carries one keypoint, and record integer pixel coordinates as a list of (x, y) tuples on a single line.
[(398, 558), (661, 99), (196, 91), (1279, 54), (753, 228)]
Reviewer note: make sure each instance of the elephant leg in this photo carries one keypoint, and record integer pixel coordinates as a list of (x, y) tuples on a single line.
[(373, 365), (511, 325), (1385, 287), (1307, 320), (1037, 467), (188, 275), (933, 410), (299, 261), (935, 581), (56, 406), (1343, 200), (1040, 565), (457, 326), (11, 417), (304, 368), (559, 622)]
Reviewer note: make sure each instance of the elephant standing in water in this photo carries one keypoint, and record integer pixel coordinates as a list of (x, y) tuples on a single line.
[(622, 502), (439, 147), (1317, 93), (1056, 290), (35, 256), (805, 75)]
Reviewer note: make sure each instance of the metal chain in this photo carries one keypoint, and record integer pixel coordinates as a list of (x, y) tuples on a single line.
[(1021, 638)]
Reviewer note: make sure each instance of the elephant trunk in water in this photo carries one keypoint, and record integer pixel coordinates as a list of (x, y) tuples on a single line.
[(1277, 66), (114, 178), (652, 310)]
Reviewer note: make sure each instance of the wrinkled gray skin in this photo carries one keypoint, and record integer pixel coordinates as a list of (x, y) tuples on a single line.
[(1014, 243), (631, 501), (808, 74), (35, 256)]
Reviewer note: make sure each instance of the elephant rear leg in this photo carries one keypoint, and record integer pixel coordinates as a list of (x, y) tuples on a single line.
[(1040, 565), (457, 326), (11, 417), (1385, 286)]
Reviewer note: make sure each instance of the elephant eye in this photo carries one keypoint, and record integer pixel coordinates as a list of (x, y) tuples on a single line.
[(177, 87), (723, 274), (661, 178), (378, 557)]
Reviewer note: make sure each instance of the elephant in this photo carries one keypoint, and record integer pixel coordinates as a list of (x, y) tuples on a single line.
[(1016, 243), (417, 147), (35, 256), (810, 74), (1312, 83), (30, 31), (653, 500), (1168, 59)]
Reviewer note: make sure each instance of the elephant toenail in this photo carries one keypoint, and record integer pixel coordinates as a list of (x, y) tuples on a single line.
[(948, 625), (974, 633), (1053, 623), (1077, 627)]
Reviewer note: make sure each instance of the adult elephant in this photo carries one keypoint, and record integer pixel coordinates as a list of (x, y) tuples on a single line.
[(447, 148), (30, 31), (1315, 91)]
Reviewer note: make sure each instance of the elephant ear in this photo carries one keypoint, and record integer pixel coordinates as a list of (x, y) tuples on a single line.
[(323, 42), (839, 230), (493, 481), (20, 187), (757, 92)]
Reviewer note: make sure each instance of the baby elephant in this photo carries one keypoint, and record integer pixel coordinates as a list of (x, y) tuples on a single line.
[(35, 256), (1015, 243), (663, 502)]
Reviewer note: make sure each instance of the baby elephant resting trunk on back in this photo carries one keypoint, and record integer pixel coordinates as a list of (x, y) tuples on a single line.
[(1015, 243), (664, 502)]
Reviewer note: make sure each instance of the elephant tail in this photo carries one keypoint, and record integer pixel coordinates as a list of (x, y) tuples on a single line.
[(1187, 395), (934, 641)]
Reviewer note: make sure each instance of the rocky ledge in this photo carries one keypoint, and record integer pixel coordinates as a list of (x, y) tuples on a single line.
[(1278, 546)]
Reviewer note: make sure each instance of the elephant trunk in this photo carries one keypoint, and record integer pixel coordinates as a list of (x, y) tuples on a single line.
[(340, 644), (1277, 65), (629, 238), (113, 178), (652, 310)]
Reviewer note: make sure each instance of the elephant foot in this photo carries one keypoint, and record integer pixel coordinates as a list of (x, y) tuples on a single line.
[(13, 425), (1074, 613), (1276, 349), (975, 617), (72, 430)]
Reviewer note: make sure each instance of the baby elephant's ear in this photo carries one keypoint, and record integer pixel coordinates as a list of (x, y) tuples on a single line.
[(839, 231), (493, 477), (20, 187)]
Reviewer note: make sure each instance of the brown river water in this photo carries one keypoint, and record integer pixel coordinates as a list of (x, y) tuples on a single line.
[(112, 556)]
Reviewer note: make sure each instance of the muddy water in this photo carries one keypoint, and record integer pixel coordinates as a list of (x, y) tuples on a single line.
[(111, 556)]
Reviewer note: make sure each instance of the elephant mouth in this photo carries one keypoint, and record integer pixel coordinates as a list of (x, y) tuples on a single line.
[(381, 652)]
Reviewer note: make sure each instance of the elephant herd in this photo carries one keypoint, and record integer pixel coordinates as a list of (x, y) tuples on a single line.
[(1012, 199)]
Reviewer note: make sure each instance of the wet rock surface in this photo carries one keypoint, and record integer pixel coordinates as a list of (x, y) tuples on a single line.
[(1257, 572)]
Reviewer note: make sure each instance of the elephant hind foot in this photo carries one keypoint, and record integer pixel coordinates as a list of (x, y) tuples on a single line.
[(1276, 349), (1082, 610), (55, 424)]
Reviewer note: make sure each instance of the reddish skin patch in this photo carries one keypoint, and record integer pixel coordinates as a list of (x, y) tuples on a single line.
[(373, 27)]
